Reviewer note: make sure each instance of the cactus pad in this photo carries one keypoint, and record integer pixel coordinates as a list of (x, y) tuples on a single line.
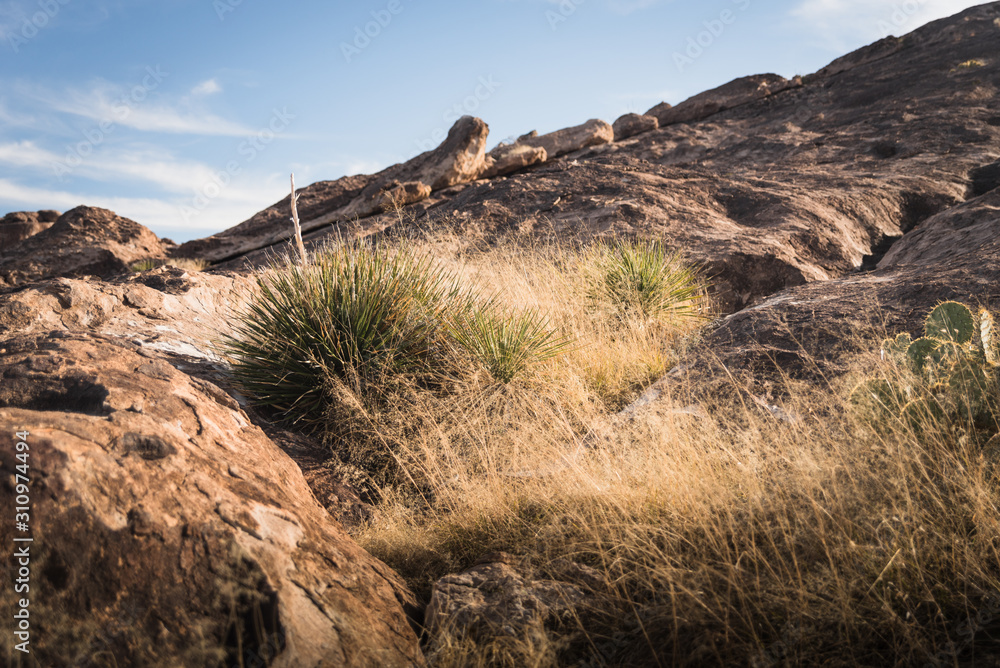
[(922, 413), (989, 337), (950, 321), (968, 385), (895, 349), (876, 400), (919, 350)]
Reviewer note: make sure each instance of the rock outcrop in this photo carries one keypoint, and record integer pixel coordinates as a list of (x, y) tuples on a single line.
[(18, 226), (495, 603), (630, 125), (506, 159), (733, 94), (158, 506), (459, 159), (592, 133), (780, 182), (83, 241)]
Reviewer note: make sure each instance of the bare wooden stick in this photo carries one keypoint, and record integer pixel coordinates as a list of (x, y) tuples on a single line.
[(295, 222)]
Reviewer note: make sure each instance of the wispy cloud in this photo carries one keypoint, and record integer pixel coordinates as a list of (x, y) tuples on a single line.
[(135, 108), (846, 24), (143, 164), (209, 87)]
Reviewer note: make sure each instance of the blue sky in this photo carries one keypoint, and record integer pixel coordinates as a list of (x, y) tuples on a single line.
[(188, 115)]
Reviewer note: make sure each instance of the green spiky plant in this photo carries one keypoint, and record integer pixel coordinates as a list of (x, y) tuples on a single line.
[(364, 317), (643, 278), (504, 342), (353, 313), (951, 376)]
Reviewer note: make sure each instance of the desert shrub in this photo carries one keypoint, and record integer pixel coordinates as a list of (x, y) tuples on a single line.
[(346, 345), (506, 341), (356, 314), (641, 278)]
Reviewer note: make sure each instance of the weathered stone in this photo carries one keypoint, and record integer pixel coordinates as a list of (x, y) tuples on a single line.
[(18, 226), (630, 125), (85, 240), (459, 159), (504, 160), (492, 602), (592, 133), (169, 527), (399, 194), (733, 94)]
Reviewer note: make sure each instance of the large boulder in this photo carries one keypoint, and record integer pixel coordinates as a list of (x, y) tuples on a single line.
[(630, 125), (592, 133), (83, 241), (168, 528), (814, 331), (18, 226), (733, 94), (460, 158), (507, 159), (946, 236), (493, 603)]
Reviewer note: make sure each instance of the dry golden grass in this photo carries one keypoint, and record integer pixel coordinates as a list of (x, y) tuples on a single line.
[(727, 537)]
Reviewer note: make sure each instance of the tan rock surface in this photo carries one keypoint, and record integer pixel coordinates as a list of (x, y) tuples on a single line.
[(159, 505), (592, 133), (459, 159), (83, 241), (630, 125)]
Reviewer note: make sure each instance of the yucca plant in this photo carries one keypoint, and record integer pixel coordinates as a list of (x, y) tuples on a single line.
[(354, 314), (507, 342), (643, 278)]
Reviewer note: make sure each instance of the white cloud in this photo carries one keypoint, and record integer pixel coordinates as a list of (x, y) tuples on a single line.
[(136, 107), (147, 165), (208, 87), (847, 24)]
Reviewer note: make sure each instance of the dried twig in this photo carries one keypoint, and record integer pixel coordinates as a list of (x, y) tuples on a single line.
[(295, 222)]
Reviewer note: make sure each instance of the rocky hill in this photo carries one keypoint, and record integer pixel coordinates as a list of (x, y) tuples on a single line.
[(171, 519)]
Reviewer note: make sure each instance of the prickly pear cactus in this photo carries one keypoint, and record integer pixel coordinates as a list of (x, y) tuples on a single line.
[(953, 381), (989, 338), (919, 351), (895, 349), (876, 400), (923, 414), (950, 321)]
